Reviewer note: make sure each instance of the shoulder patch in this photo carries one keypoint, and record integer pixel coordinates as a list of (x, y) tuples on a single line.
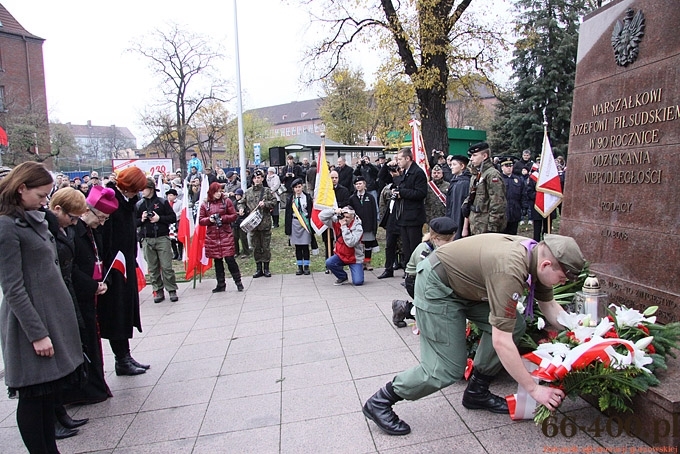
[(495, 180)]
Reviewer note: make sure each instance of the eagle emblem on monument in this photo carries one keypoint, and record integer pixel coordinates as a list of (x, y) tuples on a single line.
[(626, 37)]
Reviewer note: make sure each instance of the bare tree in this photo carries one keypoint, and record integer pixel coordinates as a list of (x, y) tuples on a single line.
[(209, 128), (163, 129), (434, 40), (183, 61)]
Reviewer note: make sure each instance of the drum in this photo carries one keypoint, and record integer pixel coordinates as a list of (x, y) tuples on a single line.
[(251, 221)]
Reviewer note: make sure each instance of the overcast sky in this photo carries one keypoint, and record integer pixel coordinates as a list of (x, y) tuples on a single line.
[(90, 76)]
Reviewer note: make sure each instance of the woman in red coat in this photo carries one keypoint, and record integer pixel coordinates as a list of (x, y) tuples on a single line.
[(218, 213)]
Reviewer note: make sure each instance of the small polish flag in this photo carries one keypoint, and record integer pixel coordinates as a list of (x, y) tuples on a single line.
[(118, 264)]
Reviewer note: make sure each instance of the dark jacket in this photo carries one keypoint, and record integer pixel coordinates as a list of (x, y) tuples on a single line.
[(289, 174), (516, 195), (35, 304), (219, 241), (118, 308), (364, 206), (459, 188), (162, 208), (341, 195), (412, 193), (345, 176), (370, 174)]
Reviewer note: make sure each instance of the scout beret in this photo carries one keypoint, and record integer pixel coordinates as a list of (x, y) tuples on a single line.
[(460, 158), (443, 226), (296, 182), (567, 252), (239, 191), (359, 178)]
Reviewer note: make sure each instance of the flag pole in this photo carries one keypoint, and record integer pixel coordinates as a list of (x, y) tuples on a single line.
[(239, 108)]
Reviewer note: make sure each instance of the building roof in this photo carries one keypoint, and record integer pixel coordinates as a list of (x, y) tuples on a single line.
[(292, 112), (99, 131), (10, 26)]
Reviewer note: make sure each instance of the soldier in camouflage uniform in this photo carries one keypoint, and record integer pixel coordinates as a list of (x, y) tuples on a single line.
[(484, 208), (258, 197), (434, 206)]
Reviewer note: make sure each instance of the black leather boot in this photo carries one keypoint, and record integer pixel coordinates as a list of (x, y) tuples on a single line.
[(124, 366), (65, 420), (140, 365), (61, 432), (379, 410), (305, 270), (221, 287), (266, 270), (401, 310), (237, 280), (299, 271), (478, 397), (387, 273), (259, 272)]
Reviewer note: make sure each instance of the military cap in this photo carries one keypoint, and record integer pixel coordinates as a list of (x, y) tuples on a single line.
[(481, 146), (567, 252), (230, 174), (359, 178), (437, 167), (506, 160), (443, 226), (259, 173), (239, 191), (296, 182)]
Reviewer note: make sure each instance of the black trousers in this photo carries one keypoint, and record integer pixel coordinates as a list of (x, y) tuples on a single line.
[(391, 243), (35, 419), (411, 237), (231, 265)]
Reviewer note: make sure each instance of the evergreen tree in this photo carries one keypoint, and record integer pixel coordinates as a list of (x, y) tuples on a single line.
[(544, 68)]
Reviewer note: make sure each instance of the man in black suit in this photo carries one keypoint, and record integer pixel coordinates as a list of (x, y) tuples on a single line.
[(345, 173), (411, 193)]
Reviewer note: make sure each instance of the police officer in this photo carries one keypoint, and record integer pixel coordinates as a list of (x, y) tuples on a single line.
[(479, 278), (484, 207), (515, 195)]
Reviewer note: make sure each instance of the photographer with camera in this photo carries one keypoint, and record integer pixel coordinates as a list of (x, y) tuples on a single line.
[(154, 216), (217, 214), (349, 250), (370, 174)]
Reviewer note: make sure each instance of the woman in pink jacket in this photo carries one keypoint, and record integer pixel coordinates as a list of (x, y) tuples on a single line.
[(218, 213)]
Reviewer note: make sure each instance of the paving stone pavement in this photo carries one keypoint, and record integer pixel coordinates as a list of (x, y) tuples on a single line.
[(284, 367)]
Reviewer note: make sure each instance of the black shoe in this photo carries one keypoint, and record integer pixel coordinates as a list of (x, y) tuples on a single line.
[(65, 420), (387, 273), (259, 272), (158, 296), (327, 271), (239, 286), (306, 271), (140, 365), (400, 309), (219, 288), (266, 270), (173, 296), (340, 281), (125, 367), (379, 410), (478, 397), (61, 432), (299, 271)]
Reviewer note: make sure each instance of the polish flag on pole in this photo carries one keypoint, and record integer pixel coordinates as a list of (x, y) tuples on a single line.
[(324, 194), (548, 186), (118, 264), (141, 269), (196, 257), (186, 223), (418, 147)]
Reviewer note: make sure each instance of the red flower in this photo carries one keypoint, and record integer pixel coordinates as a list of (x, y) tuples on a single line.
[(468, 330), (611, 334), (650, 349), (643, 328)]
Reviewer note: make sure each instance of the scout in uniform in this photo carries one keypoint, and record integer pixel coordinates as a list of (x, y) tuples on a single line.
[(484, 207)]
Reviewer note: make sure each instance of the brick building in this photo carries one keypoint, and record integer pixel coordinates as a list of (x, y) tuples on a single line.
[(23, 100)]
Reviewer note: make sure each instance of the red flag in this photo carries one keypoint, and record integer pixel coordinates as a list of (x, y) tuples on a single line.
[(186, 226), (324, 195), (418, 148), (548, 186), (118, 264), (534, 172), (141, 279), (3, 138)]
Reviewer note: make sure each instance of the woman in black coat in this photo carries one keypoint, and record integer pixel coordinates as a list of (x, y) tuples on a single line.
[(118, 308)]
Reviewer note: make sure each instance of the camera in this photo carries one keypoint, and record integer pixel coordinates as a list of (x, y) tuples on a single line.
[(150, 214), (217, 219), (395, 194)]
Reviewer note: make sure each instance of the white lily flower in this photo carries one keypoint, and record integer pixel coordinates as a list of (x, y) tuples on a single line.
[(604, 326), (569, 320), (520, 307), (556, 349), (627, 317), (540, 323), (583, 333)]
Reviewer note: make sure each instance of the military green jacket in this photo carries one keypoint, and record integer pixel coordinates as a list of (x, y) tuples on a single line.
[(251, 200), (487, 213), (434, 208)]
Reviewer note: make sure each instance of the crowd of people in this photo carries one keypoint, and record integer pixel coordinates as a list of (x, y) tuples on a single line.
[(61, 298)]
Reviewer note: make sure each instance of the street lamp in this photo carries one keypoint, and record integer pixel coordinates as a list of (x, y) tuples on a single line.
[(591, 300)]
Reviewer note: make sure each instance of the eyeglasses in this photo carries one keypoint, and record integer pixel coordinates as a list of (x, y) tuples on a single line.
[(72, 217), (102, 217)]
